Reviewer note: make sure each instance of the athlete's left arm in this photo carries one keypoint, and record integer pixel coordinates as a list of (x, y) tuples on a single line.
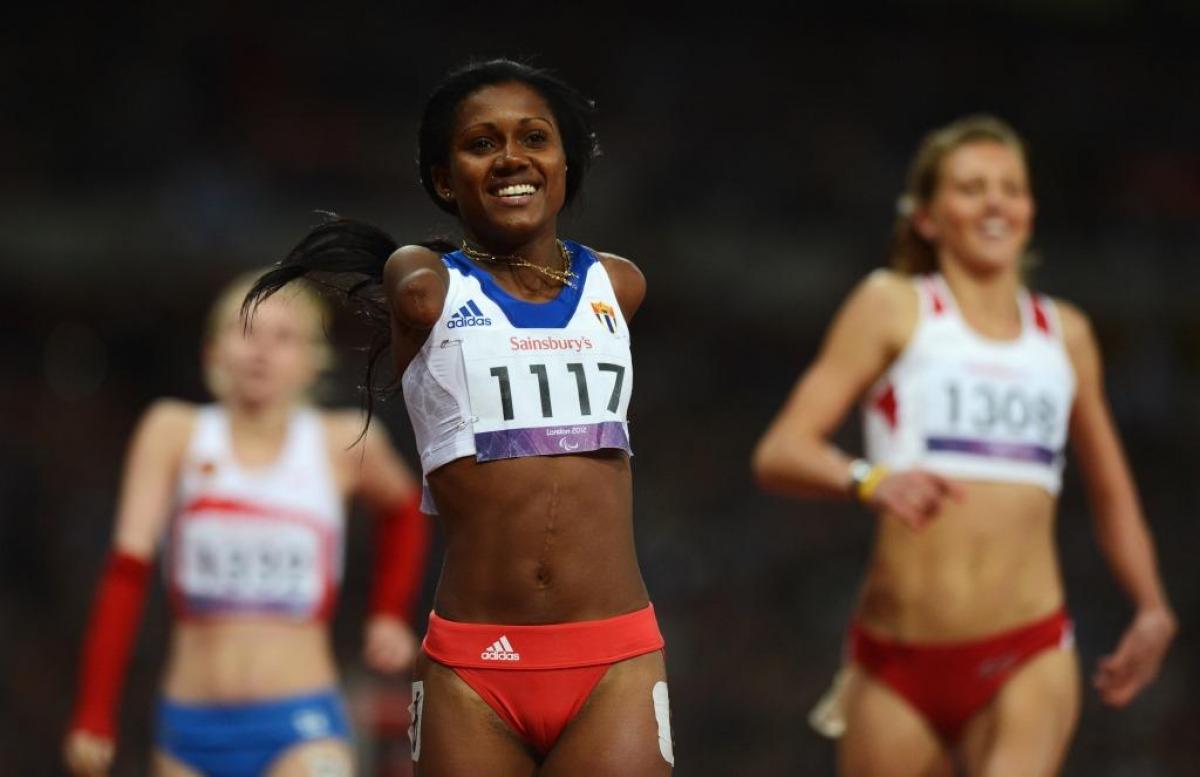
[(627, 281), (401, 543), (1119, 524)]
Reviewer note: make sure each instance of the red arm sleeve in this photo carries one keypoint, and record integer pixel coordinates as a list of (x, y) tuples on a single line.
[(401, 545), (109, 642)]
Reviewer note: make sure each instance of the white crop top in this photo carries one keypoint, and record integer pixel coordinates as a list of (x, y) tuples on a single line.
[(256, 542), (962, 405), (500, 377)]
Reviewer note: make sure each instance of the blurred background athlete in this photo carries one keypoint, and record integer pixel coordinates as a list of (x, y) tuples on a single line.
[(961, 646), (247, 498)]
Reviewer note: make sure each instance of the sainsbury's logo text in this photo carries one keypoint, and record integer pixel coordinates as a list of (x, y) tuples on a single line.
[(576, 344)]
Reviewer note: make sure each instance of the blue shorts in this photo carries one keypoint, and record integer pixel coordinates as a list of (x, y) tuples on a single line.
[(243, 740)]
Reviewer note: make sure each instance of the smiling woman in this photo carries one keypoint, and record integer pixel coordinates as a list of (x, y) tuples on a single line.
[(543, 653), (961, 650)]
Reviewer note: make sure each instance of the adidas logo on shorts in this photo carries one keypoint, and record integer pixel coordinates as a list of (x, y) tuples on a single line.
[(500, 650), (468, 315)]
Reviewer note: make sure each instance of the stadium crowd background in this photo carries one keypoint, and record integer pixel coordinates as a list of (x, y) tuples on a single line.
[(150, 153)]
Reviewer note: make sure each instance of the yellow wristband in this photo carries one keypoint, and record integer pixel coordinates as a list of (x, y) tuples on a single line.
[(866, 486)]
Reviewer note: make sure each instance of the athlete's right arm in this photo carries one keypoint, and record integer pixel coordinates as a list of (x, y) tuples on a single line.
[(151, 466), (416, 281), (795, 457)]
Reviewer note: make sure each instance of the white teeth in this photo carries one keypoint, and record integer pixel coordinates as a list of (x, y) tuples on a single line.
[(516, 190), (995, 227)]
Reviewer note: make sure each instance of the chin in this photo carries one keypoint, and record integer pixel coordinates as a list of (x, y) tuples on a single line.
[(993, 261), (515, 227), (258, 395)]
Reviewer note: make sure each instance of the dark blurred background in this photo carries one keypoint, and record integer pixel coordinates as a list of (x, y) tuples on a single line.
[(752, 159)]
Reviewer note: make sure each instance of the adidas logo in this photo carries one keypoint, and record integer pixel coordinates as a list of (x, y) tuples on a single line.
[(500, 650), (468, 315)]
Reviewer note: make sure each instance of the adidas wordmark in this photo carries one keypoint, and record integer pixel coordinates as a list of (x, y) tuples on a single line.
[(468, 315), (500, 650)]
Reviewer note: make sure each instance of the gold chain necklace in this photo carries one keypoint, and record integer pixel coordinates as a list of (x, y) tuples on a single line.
[(565, 276)]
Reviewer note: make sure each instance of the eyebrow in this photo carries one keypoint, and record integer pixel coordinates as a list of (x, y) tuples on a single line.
[(493, 126)]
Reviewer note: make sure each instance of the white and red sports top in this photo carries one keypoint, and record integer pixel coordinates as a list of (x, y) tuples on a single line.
[(256, 542), (959, 404), (500, 377)]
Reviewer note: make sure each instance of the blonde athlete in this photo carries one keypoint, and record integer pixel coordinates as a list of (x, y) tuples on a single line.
[(971, 384), (246, 497)]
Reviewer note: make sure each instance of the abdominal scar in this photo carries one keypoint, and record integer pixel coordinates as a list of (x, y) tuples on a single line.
[(543, 566)]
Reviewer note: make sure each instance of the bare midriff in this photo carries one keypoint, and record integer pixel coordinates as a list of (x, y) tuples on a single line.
[(241, 659), (537, 540), (984, 565)]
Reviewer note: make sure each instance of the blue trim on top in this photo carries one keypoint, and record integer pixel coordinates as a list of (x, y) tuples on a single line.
[(551, 314)]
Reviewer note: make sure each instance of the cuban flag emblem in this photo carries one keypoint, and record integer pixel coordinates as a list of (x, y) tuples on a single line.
[(605, 315)]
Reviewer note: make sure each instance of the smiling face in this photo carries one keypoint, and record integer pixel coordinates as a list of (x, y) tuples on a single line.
[(507, 170), (981, 211)]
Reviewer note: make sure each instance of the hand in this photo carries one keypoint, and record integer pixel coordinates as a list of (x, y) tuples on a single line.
[(390, 645), (915, 497), (1135, 663), (87, 754)]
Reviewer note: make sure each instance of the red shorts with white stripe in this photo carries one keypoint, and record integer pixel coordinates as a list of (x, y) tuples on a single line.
[(537, 678), (949, 683)]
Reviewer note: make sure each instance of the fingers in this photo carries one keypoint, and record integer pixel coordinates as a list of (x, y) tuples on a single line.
[(87, 755), (389, 648), (1117, 683), (915, 497), (377, 653), (947, 487), (921, 505), (1119, 677), (388, 660)]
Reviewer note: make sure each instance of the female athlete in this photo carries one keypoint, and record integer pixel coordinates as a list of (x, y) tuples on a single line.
[(543, 654), (247, 498), (971, 384)]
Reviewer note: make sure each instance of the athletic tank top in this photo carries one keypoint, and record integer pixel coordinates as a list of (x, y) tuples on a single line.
[(256, 542), (962, 405), (500, 377)]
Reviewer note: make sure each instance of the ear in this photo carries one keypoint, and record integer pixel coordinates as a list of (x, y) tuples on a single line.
[(207, 353), (924, 225), (441, 183), (214, 377)]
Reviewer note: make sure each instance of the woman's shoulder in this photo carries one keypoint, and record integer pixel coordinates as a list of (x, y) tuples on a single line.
[(887, 285), (415, 255), (1076, 326), (882, 310), (620, 268), (609, 259), (168, 422), (885, 297), (347, 428), (172, 412), (628, 282), (342, 425), (409, 259)]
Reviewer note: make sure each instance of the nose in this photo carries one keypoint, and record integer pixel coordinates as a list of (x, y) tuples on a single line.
[(511, 158), (993, 198)]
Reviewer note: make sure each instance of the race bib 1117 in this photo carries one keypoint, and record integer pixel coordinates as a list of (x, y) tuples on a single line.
[(546, 392)]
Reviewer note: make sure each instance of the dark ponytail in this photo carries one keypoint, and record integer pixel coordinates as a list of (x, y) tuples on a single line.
[(343, 258)]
